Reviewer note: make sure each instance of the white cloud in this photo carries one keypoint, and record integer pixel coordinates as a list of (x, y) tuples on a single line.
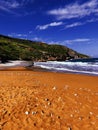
[(43, 27), (92, 20), (76, 10), (5, 9), (9, 5), (18, 35), (67, 42), (74, 25), (13, 5), (78, 40), (81, 40), (80, 23)]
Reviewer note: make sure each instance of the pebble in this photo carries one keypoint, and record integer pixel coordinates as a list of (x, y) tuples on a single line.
[(42, 112), (91, 113), (36, 98), (54, 88), (34, 112), (46, 99), (49, 103), (26, 112), (75, 94), (80, 118), (58, 117), (51, 114), (71, 115)]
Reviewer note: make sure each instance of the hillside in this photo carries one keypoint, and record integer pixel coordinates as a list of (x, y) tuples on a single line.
[(18, 49)]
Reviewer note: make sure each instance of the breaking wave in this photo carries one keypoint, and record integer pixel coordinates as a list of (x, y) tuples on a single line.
[(89, 66)]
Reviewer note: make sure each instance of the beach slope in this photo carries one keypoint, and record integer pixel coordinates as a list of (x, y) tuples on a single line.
[(36, 100)]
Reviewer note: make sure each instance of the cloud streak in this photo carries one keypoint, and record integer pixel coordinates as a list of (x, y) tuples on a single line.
[(10, 5), (7, 6), (53, 24), (75, 24), (76, 10), (78, 40), (18, 35)]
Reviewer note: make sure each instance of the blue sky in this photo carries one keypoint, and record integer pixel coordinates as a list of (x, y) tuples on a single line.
[(73, 23)]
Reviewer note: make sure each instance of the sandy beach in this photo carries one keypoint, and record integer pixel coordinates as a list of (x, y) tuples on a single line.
[(40, 100)]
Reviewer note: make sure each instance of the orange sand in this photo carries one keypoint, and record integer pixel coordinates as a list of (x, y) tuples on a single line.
[(33, 100)]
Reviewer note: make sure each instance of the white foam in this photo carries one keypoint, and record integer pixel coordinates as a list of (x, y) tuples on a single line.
[(78, 67), (15, 63)]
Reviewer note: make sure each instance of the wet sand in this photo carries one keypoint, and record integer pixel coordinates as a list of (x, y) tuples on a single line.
[(37, 100)]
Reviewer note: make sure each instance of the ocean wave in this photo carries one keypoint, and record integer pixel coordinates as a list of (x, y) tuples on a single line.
[(76, 67)]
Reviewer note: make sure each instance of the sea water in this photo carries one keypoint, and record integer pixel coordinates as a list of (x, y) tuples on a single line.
[(83, 66)]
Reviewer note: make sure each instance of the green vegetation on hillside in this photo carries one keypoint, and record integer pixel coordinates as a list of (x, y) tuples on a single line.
[(18, 49)]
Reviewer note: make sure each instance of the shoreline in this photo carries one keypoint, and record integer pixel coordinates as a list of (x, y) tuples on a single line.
[(33, 66), (39, 69)]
